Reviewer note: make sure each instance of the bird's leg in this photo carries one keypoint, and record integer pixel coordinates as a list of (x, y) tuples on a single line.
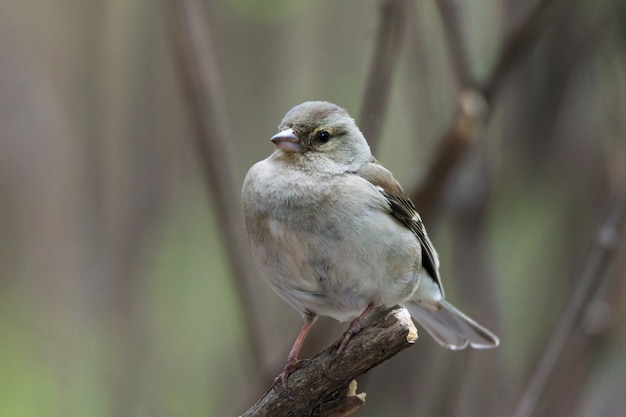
[(292, 359), (355, 326)]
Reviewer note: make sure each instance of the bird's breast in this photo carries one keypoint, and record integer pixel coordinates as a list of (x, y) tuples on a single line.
[(329, 249)]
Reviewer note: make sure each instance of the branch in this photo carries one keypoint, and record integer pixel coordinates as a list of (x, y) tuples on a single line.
[(594, 276), (390, 32), (517, 45), (472, 111), (324, 386), (199, 74), (452, 24)]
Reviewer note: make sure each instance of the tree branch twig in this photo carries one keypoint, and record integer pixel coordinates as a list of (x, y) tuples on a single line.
[(324, 386), (594, 276), (392, 22), (469, 121), (517, 45), (452, 24)]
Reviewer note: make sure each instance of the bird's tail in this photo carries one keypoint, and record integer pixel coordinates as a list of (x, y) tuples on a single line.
[(451, 328)]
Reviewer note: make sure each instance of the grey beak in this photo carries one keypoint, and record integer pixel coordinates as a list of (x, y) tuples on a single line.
[(287, 141)]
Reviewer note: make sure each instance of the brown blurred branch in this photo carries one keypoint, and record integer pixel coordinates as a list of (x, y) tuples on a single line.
[(593, 277), (392, 21), (471, 113), (199, 74), (475, 101), (324, 386), (453, 26), (517, 45)]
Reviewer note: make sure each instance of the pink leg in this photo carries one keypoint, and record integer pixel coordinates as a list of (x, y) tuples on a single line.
[(355, 326), (292, 359)]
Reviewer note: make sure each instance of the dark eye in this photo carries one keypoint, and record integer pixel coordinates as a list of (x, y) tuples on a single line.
[(323, 136)]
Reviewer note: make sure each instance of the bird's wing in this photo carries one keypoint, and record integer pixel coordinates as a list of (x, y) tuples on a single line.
[(403, 209)]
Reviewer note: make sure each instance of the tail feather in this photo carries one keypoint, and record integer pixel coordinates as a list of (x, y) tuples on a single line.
[(451, 328)]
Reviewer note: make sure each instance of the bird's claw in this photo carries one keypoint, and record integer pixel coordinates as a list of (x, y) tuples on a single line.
[(282, 379)]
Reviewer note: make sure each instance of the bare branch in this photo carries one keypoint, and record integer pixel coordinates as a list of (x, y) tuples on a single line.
[(517, 46), (324, 386), (594, 276), (468, 123), (452, 23), (200, 78), (390, 32)]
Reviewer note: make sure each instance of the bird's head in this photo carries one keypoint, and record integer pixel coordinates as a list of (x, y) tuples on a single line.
[(321, 136)]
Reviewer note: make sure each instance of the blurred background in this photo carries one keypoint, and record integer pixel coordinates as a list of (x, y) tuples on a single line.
[(125, 289)]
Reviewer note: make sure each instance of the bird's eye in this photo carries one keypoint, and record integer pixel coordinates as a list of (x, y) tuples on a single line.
[(323, 136)]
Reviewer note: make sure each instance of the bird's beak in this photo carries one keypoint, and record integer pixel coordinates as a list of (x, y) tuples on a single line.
[(287, 141)]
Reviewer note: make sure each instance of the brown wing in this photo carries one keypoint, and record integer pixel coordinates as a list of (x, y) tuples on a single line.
[(403, 209)]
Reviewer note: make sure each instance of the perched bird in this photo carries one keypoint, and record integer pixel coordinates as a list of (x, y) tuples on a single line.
[(334, 234)]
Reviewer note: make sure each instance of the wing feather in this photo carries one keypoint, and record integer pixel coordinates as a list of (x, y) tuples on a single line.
[(404, 211)]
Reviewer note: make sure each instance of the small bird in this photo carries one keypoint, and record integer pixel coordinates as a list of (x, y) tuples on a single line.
[(334, 234)]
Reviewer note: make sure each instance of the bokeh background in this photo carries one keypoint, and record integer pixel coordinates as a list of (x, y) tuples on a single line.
[(120, 286)]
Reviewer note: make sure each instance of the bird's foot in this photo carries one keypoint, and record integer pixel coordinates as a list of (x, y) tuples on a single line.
[(355, 326), (281, 381)]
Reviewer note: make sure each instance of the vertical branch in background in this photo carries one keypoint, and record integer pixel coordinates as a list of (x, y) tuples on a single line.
[(392, 22), (594, 276), (469, 120), (453, 26), (196, 61)]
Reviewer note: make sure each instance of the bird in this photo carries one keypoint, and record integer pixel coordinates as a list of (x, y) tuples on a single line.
[(334, 234)]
